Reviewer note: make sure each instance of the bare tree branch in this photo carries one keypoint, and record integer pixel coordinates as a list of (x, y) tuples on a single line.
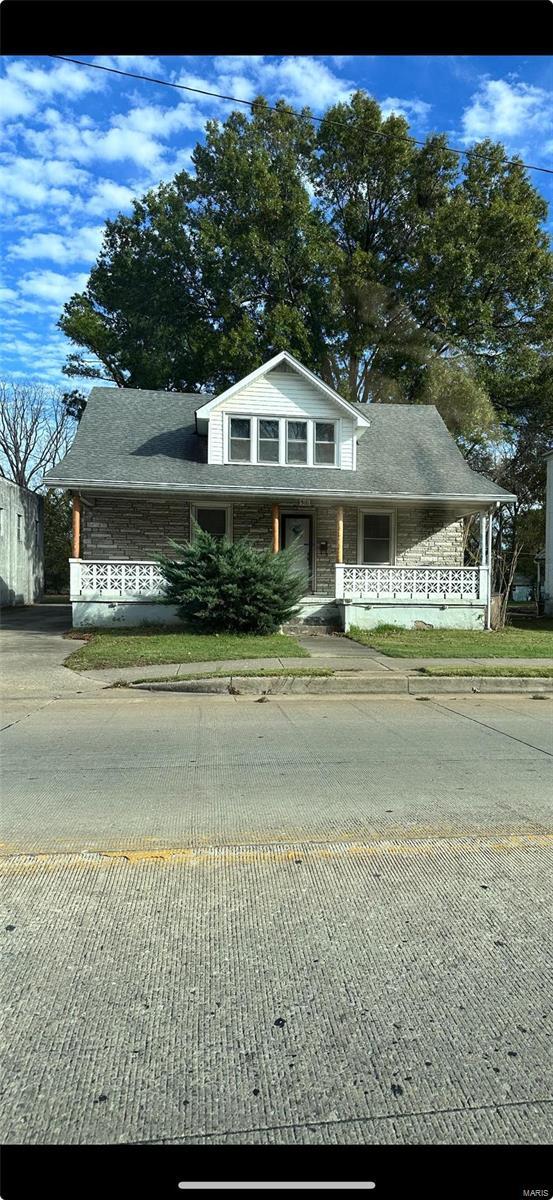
[(36, 431)]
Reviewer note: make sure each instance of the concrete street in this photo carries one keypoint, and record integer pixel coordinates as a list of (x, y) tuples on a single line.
[(297, 921)]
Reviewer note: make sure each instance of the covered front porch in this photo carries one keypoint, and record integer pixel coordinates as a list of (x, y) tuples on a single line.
[(422, 579)]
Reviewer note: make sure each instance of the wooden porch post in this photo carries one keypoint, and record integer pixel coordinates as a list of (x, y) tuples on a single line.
[(76, 526), (340, 534), (276, 528)]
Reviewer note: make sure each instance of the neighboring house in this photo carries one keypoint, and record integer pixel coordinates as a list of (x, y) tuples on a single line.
[(548, 568), (377, 494), (522, 587), (21, 545)]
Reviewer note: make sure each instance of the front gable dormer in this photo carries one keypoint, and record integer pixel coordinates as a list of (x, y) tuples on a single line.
[(281, 415)]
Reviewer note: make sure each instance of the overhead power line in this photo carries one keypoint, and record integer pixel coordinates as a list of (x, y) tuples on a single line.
[(183, 87)]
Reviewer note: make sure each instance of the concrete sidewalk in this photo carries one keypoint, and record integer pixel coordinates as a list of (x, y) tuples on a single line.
[(337, 653)]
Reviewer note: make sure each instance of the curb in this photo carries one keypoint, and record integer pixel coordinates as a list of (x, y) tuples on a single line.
[(373, 685), (486, 684)]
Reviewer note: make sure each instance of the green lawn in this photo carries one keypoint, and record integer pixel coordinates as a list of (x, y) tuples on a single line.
[(496, 672), (521, 639), (119, 648)]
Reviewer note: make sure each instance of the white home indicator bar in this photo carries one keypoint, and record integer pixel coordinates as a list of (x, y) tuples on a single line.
[(273, 1185)]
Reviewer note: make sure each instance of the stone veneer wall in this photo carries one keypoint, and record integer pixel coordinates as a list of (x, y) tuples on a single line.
[(325, 531), (254, 521), (423, 539), (133, 526)]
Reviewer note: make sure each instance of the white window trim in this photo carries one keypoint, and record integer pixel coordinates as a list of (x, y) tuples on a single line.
[(376, 512), (253, 435), (297, 421), (211, 504), (260, 462), (337, 442), (283, 422)]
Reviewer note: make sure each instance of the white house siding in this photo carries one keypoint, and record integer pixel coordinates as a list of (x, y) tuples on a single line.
[(281, 394), (215, 438), (21, 545)]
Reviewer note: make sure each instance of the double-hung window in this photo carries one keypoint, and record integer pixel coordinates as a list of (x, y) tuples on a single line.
[(325, 443), (213, 519), (296, 441), (268, 441), (240, 439), (376, 538)]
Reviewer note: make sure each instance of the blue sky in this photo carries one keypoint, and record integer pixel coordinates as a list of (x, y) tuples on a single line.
[(80, 144)]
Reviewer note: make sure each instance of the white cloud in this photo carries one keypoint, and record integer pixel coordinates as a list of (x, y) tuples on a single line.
[(14, 101), (507, 110), (63, 78), (142, 64), (51, 286), (136, 136), (301, 80), (107, 196), (82, 245), (47, 170), (227, 64), (30, 192), (230, 79), (414, 110), (304, 81), (6, 294)]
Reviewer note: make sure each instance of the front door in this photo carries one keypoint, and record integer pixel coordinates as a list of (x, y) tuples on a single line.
[(299, 527)]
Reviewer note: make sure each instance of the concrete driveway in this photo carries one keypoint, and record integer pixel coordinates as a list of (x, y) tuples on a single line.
[(32, 652), (298, 921)]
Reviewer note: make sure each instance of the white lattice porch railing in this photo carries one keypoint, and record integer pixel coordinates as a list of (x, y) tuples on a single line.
[(103, 579), (430, 584)]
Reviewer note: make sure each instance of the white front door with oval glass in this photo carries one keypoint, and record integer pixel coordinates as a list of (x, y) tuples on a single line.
[(299, 527)]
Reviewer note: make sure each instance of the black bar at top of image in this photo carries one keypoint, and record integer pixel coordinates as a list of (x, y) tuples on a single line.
[(320, 27)]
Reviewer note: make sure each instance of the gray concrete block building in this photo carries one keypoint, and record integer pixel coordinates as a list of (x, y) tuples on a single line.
[(21, 545)]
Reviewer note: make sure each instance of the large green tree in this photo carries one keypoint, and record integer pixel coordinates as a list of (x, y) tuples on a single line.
[(392, 269), (214, 270)]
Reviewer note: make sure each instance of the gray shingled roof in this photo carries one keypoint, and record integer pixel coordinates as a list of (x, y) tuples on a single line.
[(147, 440)]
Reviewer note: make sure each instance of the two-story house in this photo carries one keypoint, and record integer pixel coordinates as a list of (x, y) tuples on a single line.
[(376, 493)]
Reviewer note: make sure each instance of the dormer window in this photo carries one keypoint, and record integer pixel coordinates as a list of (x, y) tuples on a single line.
[(325, 443), (268, 441), (240, 439), (296, 441), (281, 441)]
